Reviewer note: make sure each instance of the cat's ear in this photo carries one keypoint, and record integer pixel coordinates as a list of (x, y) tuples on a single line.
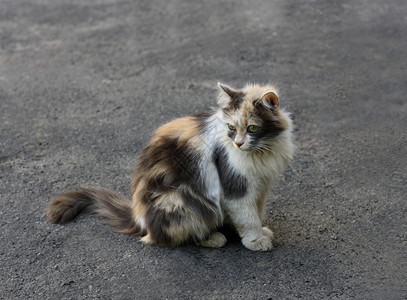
[(229, 97), (270, 101), (228, 90)]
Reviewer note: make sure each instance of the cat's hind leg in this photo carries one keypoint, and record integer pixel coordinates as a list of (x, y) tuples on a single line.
[(215, 240), (180, 216)]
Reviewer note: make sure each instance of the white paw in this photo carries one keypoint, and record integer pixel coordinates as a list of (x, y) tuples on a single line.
[(258, 242), (267, 231), (216, 240)]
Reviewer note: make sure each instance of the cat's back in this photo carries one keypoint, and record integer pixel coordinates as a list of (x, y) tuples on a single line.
[(184, 130), (174, 154)]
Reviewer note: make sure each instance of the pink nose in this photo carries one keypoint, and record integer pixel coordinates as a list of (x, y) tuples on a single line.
[(238, 144)]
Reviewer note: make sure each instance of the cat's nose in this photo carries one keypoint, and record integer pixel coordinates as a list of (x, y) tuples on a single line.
[(239, 144)]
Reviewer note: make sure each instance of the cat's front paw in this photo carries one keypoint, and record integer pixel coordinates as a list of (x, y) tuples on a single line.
[(258, 241), (267, 231)]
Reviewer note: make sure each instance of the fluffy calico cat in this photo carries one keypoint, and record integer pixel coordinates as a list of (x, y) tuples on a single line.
[(198, 173)]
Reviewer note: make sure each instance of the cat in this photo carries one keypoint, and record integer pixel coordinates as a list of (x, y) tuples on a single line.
[(198, 173)]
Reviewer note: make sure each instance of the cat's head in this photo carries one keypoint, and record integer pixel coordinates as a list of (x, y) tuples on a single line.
[(252, 116)]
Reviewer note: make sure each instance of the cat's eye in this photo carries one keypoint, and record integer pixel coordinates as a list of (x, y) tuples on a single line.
[(231, 127), (252, 128)]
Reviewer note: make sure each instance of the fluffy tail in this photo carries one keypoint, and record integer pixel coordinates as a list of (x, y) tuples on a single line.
[(113, 206)]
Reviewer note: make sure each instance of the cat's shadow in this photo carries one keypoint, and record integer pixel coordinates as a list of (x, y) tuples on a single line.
[(231, 234)]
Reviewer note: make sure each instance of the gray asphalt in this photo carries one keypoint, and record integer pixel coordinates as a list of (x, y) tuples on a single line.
[(83, 83)]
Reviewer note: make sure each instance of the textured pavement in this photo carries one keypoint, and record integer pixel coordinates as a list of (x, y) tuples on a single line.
[(83, 83)]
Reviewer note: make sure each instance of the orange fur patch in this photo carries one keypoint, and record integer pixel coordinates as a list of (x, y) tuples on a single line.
[(185, 129)]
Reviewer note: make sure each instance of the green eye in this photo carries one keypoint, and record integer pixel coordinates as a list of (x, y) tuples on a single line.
[(253, 128), (231, 127)]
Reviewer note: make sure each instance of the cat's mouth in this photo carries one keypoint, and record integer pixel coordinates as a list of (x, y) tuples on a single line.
[(243, 147)]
